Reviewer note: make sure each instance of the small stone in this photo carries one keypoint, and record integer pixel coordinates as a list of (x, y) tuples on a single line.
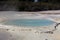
[(46, 39)]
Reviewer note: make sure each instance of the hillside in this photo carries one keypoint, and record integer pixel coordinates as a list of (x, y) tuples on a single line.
[(29, 5)]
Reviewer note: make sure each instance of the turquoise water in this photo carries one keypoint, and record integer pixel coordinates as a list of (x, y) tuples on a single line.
[(29, 22)]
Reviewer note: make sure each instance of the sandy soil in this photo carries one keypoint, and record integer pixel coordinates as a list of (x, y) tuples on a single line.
[(27, 33)]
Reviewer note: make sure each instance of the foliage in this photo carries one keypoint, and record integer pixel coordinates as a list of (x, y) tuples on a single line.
[(29, 5)]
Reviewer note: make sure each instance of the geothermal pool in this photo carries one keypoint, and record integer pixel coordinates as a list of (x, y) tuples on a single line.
[(29, 22)]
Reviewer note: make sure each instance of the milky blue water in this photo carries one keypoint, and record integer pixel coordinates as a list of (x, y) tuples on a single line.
[(29, 22)]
